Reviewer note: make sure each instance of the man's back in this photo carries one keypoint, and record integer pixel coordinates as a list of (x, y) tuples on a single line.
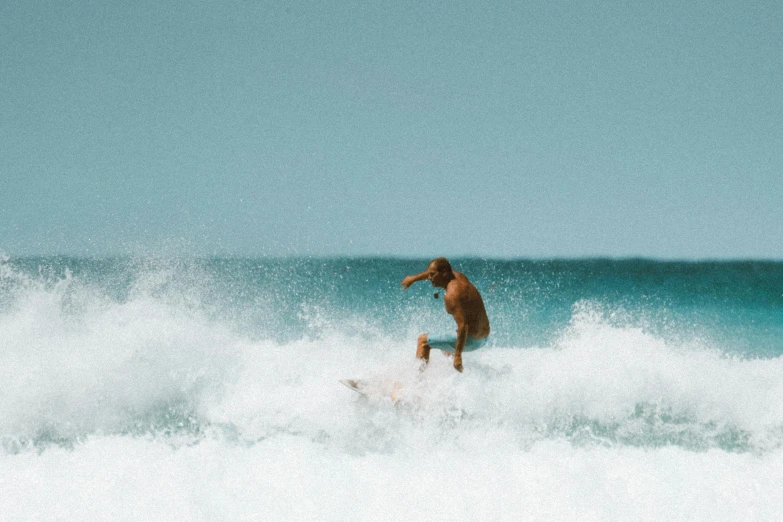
[(463, 298)]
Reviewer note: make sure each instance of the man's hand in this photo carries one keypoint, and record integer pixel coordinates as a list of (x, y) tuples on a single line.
[(458, 363), (408, 281)]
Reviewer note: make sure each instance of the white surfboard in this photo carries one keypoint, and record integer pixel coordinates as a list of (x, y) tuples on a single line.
[(373, 389)]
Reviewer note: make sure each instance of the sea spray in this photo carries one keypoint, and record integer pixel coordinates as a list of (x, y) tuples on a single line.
[(609, 390)]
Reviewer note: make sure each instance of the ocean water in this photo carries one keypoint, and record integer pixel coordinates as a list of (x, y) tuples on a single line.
[(173, 388)]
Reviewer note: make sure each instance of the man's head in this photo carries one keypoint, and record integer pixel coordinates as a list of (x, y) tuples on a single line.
[(440, 272)]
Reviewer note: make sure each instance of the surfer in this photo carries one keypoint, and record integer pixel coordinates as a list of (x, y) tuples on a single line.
[(463, 302)]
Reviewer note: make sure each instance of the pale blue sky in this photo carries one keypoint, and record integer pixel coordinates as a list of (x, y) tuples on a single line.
[(502, 129)]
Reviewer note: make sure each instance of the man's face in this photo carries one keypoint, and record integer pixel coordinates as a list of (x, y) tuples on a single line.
[(435, 276)]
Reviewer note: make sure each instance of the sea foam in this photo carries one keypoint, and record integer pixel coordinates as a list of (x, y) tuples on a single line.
[(149, 406)]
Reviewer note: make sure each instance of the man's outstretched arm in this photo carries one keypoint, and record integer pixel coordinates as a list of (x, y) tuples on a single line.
[(409, 280)]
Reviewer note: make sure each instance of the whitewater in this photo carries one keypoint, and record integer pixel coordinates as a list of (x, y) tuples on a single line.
[(171, 388)]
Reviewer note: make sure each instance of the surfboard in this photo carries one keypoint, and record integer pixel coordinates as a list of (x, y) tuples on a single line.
[(374, 389), (354, 384)]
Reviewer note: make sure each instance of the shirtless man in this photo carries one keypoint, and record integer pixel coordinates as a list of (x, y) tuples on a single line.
[(463, 302)]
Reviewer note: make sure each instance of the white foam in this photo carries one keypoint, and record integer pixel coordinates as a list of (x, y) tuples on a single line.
[(95, 370), (290, 478), (566, 431)]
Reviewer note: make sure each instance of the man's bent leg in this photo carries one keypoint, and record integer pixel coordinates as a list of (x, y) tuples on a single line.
[(445, 343), (423, 349)]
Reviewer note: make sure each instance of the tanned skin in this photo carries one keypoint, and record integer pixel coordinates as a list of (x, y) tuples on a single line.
[(462, 301)]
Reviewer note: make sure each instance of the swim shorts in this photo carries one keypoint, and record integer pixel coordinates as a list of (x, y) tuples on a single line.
[(448, 343)]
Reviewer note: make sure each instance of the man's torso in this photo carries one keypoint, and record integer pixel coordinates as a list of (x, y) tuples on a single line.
[(461, 294)]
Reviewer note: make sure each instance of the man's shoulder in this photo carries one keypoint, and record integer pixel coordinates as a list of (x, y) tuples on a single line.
[(460, 288)]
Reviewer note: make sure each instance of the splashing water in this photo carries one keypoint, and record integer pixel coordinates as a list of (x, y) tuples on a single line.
[(610, 390)]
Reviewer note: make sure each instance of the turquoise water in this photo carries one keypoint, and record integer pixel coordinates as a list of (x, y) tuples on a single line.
[(736, 307), (614, 374)]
